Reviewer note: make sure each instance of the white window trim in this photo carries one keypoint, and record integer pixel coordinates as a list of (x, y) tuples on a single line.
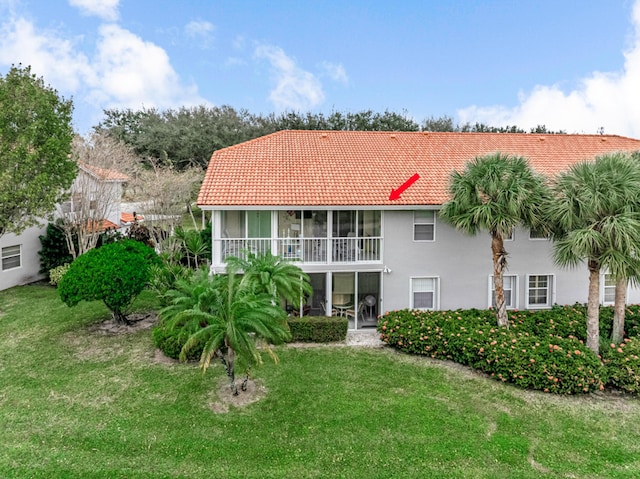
[(413, 231), (602, 286), (512, 236), (514, 291), (545, 238), (436, 296), (2, 257), (551, 291)]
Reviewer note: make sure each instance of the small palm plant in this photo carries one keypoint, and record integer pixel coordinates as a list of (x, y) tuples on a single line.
[(229, 317)]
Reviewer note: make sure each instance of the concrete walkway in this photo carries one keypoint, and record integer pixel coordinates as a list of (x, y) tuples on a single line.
[(364, 337)]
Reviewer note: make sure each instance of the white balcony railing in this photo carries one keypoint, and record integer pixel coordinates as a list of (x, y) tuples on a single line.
[(306, 250)]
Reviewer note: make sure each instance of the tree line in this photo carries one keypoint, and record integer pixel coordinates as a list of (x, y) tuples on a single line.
[(187, 137)]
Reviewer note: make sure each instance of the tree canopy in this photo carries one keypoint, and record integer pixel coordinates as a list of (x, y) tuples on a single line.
[(35, 146)]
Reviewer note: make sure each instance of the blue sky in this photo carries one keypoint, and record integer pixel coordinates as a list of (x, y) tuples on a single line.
[(569, 64)]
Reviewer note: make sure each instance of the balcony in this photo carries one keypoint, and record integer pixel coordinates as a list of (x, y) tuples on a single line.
[(304, 250)]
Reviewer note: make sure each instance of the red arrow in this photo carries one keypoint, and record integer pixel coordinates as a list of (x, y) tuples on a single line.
[(395, 194)]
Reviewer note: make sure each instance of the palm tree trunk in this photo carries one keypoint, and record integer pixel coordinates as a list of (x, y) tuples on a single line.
[(620, 305), (499, 264), (231, 359), (593, 307)]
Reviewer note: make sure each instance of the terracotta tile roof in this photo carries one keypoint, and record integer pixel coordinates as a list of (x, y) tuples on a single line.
[(104, 225), (360, 168), (128, 217), (103, 173)]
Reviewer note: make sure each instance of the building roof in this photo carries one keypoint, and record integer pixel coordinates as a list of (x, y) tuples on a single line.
[(360, 168), (103, 174)]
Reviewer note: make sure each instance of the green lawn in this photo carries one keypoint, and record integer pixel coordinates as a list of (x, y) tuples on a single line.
[(77, 403)]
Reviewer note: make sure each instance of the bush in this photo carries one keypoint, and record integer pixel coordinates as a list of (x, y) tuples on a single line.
[(54, 251), (115, 274), (542, 360), (56, 274), (318, 329), (622, 363), (170, 341)]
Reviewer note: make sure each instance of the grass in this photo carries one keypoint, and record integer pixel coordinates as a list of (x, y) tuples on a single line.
[(76, 403)]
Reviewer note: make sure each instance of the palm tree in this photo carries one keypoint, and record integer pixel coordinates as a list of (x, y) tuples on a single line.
[(273, 275), (228, 317), (496, 193), (595, 213)]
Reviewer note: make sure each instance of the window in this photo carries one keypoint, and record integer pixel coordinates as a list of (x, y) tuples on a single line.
[(608, 289), (511, 236), (424, 293), (535, 234), (510, 286), (539, 291), (424, 225), (11, 257)]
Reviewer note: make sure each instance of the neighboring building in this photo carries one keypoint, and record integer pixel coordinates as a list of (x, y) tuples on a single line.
[(321, 198), (20, 259)]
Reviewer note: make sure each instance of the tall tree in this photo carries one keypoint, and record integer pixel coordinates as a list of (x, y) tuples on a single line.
[(35, 143), (596, 219), (104, 163), (495, 193)]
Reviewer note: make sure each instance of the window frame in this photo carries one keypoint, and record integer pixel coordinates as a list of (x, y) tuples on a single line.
[(537, 238), (603, 290), (9, 256), (436, 292), (432, 223), (514, 291), (551, 291)]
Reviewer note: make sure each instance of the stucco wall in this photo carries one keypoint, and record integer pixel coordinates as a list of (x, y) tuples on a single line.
[(463, 264), (30, 260)]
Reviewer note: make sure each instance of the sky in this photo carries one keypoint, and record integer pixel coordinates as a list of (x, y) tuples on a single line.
[(572, 65)]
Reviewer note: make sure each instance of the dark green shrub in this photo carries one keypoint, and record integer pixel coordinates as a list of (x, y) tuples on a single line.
[(318, 329), (54, 251), (622, 363), (115, 274), (170, 341)]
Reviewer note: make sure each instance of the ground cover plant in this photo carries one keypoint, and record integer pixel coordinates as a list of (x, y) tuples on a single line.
[(543, 350), (79, 402)]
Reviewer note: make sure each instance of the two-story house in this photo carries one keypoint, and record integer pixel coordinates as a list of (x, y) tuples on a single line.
[(95, 196), (323, 199)]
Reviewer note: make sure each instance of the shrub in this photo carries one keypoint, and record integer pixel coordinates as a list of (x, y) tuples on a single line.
[(622, 363), (115, 274), (318, 329), (544, 361), (171, 340), (56, 274), (54, 251)]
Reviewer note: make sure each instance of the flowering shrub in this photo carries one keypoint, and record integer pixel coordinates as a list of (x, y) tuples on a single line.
[(530, 353), (622, 363)]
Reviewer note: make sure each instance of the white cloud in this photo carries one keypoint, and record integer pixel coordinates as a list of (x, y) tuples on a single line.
[(200, 31), (54, 58), (610, 100), (296, 89), (335, 72), (124, 72), (105, 9)]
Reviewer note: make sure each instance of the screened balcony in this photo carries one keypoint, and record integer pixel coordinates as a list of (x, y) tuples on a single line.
[(313, 237)]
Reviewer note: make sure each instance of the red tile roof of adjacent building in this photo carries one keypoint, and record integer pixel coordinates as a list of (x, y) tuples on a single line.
[(360, 168), (104, 174)]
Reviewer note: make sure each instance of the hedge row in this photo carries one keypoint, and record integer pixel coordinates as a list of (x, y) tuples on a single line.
[(318, 329), (541, 350)]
